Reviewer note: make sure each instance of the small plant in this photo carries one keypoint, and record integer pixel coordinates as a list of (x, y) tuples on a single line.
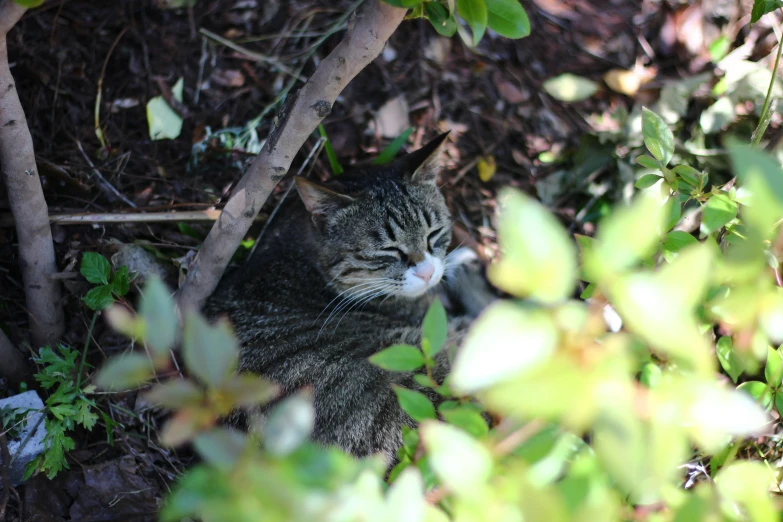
[(67, 407), (12, 421), (97, 270)]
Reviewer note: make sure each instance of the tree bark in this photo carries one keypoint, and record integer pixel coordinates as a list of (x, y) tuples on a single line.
[(26, 199), (366, 36)]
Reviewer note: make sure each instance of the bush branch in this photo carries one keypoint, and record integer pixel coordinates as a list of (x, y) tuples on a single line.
[(26, 199), (367, 34)]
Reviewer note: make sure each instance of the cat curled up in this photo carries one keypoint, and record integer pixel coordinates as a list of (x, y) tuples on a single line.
[(346, 270)]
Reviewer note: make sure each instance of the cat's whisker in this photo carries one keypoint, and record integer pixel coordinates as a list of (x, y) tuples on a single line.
[(372, 281), (360, 302), (351, 298)]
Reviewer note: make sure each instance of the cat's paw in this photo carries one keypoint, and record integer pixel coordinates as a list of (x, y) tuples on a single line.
[(467, 283)]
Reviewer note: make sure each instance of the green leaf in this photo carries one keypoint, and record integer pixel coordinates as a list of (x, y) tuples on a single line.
[(248, 389), (95, 268), (657, 137), (675, 213), (405, 499), (99, 298), (728, 358), (507, 18), (474, 12), (647, 181), (491, 351), (85, 415), (674, 242), (647, 161), (404, 3), (415, 404), (446, 25), (164, 122), (334, 163), (210, 352), (570, 88), (394, 147), (718, 211), (29, 3), (773, 372), (466, 419), (779, 401), (759, 391), (121, 282), (762, 7), (160, 317), (175, 394), (461, 463), (747, 484), (688, 174), (125, 372), (650, 375), (540, 265), (221, 447), (399, 358), (434, 329)]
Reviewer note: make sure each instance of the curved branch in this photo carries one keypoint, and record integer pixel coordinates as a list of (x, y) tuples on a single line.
[(26, 199), (364, 41)]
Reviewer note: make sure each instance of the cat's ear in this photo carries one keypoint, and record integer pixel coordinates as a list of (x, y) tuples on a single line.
[(319, 200), (423, 165)]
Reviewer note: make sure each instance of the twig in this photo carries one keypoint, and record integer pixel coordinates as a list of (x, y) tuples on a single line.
[(518, 437), (366, 36), (765, 111), (99, 95), (26, 199), (7, 220), (102, 181), (250, 54)]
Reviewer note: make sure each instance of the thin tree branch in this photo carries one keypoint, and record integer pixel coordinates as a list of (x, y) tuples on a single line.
[(367, 34), (26, 199)]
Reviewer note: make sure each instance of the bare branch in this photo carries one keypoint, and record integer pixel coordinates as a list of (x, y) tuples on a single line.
[(366, 36), (26, 199)]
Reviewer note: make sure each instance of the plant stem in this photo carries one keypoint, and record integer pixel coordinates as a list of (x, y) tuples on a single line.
[(84, 352), (764, 120)]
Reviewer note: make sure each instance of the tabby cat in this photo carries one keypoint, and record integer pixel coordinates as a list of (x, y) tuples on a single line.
[(344, 271)]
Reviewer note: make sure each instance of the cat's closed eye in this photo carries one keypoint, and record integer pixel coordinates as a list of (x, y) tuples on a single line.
[(395, 252), (432, 236)]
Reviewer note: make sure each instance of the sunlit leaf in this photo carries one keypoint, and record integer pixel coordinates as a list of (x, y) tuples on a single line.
[(773, 372), (474, 12), (647, 181), (747, 483), (460, 461), (504, 341), (164, 122), (718, 412), (414, 403), (658, 137), (405, 498), (647, 161), (466, 419), (718, 211), (486, 168), (434, 329), (290, 424), (540, 265), (570, 88), (728, 358), (675, 241)]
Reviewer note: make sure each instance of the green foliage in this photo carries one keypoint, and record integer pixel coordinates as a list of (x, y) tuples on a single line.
[(506, 17), (762, 7), (67, 406), (334, 163), (29, 3), (97, 270), (12, 421), (391, 150)]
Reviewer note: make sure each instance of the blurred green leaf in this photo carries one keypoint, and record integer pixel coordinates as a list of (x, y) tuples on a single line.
[(647, 181), (221, 447), (415, 404), (747, 483), (540, 265), (124, 372), (507, 18), (728, 358), (95, 268), (493, 349), (773, 372), (164, 122), (460, 461), (674, 242), (466, 419), (759, 391), (719, 48), (434, 329), (657, 137), (249, 389), (210, 352), (160, 317), (718, 211), (391, 150), (717, 116), (474, 12), (175, 393), (570, 88), (399, 358), (405, 498)]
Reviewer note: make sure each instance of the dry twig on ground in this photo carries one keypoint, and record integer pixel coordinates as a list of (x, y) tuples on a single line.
[(25, 196), (303, 111)]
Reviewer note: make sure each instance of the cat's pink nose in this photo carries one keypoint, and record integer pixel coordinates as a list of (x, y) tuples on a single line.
[(424, 271)]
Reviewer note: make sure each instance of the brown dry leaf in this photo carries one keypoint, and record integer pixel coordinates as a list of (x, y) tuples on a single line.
[(229, 78), (628, 81), (512, 93), (486, 168)]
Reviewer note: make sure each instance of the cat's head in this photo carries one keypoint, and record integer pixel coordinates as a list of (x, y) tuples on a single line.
[(383, 230)]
